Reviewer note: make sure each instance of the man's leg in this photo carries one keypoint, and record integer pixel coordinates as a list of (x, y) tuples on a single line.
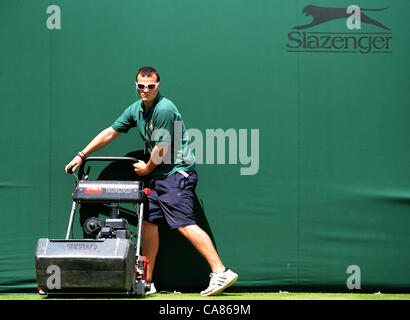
[(221, 278), (201, 241), (150, 245), (176, 201)]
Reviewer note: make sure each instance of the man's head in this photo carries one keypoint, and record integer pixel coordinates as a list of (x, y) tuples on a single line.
[(148, 84)]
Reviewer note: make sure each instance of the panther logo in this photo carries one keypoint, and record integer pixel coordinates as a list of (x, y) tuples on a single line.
[(322, 14)]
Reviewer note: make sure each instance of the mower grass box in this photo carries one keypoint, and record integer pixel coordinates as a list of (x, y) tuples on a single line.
[(85, 265)]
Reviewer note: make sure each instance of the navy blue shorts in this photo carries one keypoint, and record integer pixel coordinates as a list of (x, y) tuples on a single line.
[(172, 198)]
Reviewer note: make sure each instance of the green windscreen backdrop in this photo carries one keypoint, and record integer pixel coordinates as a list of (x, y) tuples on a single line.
[(298, 112)]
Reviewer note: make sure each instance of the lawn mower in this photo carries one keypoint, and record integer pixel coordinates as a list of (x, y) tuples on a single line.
[(108, 262)]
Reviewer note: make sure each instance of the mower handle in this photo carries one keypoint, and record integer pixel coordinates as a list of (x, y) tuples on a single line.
[(110, 159), (81, 170)]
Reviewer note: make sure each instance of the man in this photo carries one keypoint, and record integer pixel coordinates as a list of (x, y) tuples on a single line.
[(172, 168)]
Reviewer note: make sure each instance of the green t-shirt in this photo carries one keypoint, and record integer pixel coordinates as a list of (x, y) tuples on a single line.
[(161, 125)]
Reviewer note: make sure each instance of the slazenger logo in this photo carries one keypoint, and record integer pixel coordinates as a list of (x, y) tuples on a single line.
[(340, 42), (81, 246), (93, 188)]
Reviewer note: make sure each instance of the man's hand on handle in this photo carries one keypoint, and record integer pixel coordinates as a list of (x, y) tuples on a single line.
[(157, 155), (141, 168), (74, 164)]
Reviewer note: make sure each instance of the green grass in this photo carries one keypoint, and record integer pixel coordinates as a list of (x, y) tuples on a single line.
[(226, 296)]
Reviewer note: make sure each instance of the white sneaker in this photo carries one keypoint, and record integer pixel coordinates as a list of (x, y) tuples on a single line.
[(152, 289), (219, 282)]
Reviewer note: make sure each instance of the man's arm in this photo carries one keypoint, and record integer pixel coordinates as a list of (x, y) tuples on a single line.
[(101, 140), (157, 155)]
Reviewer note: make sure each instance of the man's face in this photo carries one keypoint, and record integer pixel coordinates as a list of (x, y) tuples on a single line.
[(147, 94)]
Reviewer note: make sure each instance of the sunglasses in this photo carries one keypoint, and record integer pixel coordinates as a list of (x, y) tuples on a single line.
[(150, 86)]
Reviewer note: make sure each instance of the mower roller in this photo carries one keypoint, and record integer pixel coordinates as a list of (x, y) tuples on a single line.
[(109, 262)]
